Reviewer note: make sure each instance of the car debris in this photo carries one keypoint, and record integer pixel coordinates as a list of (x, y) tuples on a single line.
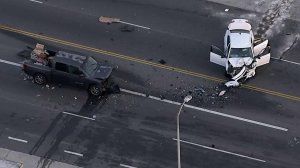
[(242, 53), (222, 92)]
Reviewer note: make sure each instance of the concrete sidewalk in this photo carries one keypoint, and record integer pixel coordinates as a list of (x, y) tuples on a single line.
[(13, 159)]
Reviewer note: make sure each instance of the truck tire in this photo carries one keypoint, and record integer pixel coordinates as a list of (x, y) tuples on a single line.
[(39, 79), (95, 90)]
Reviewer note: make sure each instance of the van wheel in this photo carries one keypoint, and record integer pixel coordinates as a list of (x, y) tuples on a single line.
[(95, 90), (39, 79)]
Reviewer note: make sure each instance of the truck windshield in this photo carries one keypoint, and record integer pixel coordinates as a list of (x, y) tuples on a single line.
[(90, 66), (240, 52)]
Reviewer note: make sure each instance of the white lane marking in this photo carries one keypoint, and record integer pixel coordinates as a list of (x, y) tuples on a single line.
[(73, 153), (207, 111), (132, 92), (36, 1), (17, 139), (124, 165), (219, 150), (134, 25), (78, 115), (176, 103), (10, 63), (237, 118), (296, 63)]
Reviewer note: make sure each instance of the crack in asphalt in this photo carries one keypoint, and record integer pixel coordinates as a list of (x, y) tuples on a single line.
[(295, 42), (278, 11)]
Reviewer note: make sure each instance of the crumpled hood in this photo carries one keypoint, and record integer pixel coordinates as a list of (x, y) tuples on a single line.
[(103, 72), (239, 62)]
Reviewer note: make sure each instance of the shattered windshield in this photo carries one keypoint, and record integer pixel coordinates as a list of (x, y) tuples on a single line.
[(240, 52), (90, 66)]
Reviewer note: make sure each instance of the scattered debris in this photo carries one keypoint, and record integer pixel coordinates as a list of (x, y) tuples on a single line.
[(75, 97), (294, 141), (47, 86), (222, 92), (162, 61), (232, 84), (226, 10), (53, 88)]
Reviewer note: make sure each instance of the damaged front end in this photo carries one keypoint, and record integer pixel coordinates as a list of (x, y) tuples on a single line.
[(241, 74)]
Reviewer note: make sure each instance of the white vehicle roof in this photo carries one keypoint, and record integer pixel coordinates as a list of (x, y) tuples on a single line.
[(239, 24), (240, 40)]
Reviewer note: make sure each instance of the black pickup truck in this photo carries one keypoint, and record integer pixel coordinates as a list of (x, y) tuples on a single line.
[(71, 69)]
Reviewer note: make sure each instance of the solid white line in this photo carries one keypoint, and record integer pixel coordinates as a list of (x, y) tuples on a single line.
[(132, 92), (208, 111), (17, 139), (78, 115), (73, 153), (296, 63), (10, 63), (36, 1), (219, 150), (134, 25), (237, 118), (123, 165)]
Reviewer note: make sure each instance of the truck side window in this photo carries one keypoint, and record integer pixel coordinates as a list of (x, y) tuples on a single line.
[(61, 67), (74, 70)]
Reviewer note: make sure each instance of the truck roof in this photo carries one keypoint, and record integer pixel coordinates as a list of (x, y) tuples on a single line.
[(70, 59)]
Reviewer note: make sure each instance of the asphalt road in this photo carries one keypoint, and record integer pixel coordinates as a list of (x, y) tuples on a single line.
[(138, 131)]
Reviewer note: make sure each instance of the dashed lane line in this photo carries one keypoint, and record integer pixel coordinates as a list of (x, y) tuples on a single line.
[(127, 166), (36, 1), (76, 115), (73, 153), (17, 139), (145, 62), (223, 151)]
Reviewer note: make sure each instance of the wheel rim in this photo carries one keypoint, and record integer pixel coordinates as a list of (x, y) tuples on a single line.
[(95, 90), (39, 79)]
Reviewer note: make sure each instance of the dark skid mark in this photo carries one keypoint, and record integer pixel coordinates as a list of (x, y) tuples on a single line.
[(43, 137), (69, 124), (295, 42), (127, 28)]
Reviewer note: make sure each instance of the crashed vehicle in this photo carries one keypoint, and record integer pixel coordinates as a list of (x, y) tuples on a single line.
[(67, 68), (242, 53)]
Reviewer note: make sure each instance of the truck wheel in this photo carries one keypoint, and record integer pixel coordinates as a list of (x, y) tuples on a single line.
[(95, 90), (39, 79)]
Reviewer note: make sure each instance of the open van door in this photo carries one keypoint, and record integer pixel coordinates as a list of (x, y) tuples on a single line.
[(262, 53), (217, 56)]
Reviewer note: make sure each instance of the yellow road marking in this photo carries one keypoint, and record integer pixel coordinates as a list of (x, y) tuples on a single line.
[(179, 70)]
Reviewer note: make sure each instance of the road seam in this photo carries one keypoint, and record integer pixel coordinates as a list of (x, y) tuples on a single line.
[(219, 150)]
